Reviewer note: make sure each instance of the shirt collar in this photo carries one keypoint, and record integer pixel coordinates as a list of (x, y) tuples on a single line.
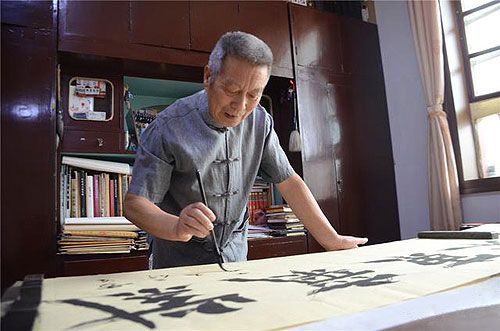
[(206, 115)]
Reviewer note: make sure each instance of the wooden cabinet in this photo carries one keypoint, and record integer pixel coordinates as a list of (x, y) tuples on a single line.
[(360, 48), (36, 14), (149, 31), (175, 32), (28, 162), (160, 23), (262, 248), (209, 20), (317, 38), (268, 20), (344, 124), (93, 21), (102, 264)]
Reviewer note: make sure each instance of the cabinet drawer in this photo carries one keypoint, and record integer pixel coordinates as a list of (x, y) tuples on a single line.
[(79, 266), (279, 246), (93, 142)]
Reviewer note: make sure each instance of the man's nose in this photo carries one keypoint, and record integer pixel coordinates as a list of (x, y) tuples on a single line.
[(239, 103)]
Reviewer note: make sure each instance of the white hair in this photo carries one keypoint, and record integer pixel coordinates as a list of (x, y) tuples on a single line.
[(243, 46)]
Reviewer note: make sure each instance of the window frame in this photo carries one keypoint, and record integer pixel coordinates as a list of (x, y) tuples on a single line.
[(465, 52), (469, 186)]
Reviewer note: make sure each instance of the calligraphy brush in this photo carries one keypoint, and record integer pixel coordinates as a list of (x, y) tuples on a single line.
[(218, 254)]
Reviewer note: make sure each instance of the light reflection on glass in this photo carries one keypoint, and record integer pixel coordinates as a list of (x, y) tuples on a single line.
[(485, 73), (471, 4), (482, 29), (488, 131)]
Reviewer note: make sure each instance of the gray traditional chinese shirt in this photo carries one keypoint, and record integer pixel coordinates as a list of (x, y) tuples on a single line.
[(185, 137)]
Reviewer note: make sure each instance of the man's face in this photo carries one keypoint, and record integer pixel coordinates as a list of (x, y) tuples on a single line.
[(236, 91)]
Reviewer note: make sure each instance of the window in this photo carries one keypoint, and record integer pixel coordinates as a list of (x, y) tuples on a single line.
[(479, 22)]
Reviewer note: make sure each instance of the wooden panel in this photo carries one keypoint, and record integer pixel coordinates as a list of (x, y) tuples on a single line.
[(93, 142), (347, 153), (210, 20), (33, 14), (93, 265), (360, 47), (28, 153), (317, 38), (269, 21), (273, 247), (160, 23), (321, 135), (94, 20), (373, 146)]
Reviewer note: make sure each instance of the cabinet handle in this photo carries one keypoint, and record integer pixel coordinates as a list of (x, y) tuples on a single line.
[(100, 142)]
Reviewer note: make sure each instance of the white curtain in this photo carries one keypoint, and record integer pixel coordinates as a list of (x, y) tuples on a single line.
[(445, 210)]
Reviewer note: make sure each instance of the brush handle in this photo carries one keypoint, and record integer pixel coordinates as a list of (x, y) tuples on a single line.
[(204, 200), (295, 112)]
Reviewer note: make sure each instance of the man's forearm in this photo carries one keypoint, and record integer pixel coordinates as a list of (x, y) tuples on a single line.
[(149, 217), (305, 207)]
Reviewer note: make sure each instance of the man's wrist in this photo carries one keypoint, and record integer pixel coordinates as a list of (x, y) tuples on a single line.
[(330, 241)]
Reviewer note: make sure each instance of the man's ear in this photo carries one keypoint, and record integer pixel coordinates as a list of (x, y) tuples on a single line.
[(206, 76)]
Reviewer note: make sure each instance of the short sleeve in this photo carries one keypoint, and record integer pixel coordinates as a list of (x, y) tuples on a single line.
[(153, 164), (274, 167)]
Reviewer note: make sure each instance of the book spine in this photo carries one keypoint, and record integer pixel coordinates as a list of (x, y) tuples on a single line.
[(83, 205), (77, 194), (120, 195), (62, 194), (111, 197), (90, 195), (102, 194), (106, 195), (68, 193), (97, 208), (115, 196)]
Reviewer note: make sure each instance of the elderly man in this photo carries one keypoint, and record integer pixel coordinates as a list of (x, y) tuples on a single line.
[(224, 133)]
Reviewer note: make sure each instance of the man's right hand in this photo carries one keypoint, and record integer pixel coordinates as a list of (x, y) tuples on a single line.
[(196, 220)]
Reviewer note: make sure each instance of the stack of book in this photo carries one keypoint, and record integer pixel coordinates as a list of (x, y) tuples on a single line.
[(259, 231), (100, 236), (283, 222), (92, 222), (93, 188), (261, 197)]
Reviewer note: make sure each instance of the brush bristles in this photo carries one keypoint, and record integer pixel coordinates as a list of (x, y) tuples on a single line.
[(295, 144)]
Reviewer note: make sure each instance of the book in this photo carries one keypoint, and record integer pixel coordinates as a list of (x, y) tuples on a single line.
[(278, 208), (97, 220), (104, 233), (89, 196), (98, 165), (101, 227)]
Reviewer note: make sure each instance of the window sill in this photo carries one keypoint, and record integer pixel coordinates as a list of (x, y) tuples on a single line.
[(491, 184)]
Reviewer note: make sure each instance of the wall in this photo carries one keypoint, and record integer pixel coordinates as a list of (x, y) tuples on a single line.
[(408, 121), (140, 101)]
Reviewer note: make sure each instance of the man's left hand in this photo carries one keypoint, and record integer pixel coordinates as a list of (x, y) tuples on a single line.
[(345, 242)]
